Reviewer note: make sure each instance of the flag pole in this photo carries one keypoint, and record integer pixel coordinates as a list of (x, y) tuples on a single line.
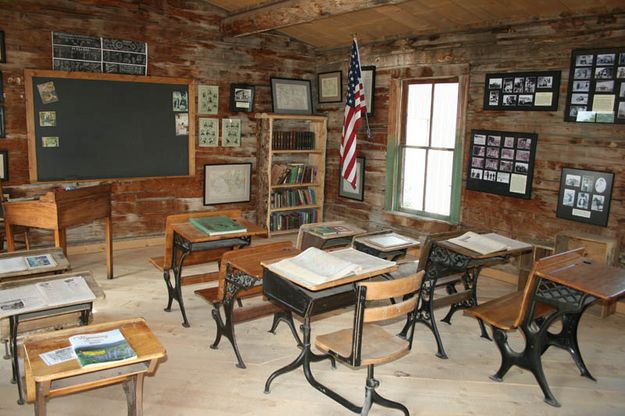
[(366, 92)]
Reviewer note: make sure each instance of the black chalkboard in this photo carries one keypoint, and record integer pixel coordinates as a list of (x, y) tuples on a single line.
[(108, 126)]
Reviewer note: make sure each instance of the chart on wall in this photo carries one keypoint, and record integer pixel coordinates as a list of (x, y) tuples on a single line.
[(585, 196), (502, 162), (596, 86), (525, 91)]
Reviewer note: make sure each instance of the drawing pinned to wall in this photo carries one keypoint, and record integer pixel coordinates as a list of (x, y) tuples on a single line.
[(182, 124), (47, 92), (230, 132), (180, 101), (208, 99), (208, 133), (47, 118), (50, 141)]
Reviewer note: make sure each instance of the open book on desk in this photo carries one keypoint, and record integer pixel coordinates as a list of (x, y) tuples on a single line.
[(487, 243), (23, 263), (314, 267)]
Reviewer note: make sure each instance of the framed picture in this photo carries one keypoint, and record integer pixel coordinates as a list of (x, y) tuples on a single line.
[(4, 165), (208, 132), (231, 132), (330, 86), (3, 51), (242, 98), (596, 91), (368, 80), (207, 99), (227, 183), (522, 91), (2, 132), (502, 162), (291, 96), (585, 196), (345, 188)]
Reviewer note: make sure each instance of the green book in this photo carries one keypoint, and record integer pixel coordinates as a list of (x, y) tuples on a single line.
[(217, 225)]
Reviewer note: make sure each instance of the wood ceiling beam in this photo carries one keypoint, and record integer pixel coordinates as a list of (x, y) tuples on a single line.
[(293, 12)]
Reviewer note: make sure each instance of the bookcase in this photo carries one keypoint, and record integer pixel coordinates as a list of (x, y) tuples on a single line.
[(291, 171)]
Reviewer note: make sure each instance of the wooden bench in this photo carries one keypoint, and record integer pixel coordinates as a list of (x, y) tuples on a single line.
[(163, 263)]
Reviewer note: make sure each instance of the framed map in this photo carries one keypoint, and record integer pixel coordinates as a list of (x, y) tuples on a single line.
[(227, 183)]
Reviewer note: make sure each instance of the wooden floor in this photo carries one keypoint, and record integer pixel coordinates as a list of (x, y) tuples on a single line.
[(196, 380)]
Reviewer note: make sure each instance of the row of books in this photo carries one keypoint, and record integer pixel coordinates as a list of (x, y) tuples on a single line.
[(281, 221), (293, 198), (293, 173), (293, 140)]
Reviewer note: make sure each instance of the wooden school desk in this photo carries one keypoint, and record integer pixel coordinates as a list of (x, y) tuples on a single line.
[(62, 264), (43, 381), (59, 209)]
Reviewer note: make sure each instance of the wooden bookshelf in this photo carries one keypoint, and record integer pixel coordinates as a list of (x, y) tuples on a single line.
[(271, 126)]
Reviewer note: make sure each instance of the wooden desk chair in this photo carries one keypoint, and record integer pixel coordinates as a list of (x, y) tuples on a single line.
[(511, 312), (17, 231), (368, 344)]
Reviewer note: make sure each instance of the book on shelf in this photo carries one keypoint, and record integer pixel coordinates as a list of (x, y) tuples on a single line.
[(101, 348), (293, 140), (23, 263), (487, 243), (292, 173), (217, 225), (51, 293)]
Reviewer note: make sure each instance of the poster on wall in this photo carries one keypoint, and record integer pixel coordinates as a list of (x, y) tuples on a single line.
[(502, 162), (596, 91), (522, 91), (585, 196)]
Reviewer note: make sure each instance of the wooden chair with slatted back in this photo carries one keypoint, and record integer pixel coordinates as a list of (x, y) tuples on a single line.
[(369, 344)]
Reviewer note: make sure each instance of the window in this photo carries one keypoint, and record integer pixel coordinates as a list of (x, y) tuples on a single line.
[(429, 152)]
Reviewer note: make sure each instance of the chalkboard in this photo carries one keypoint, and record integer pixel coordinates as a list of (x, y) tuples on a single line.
[(104, 126)]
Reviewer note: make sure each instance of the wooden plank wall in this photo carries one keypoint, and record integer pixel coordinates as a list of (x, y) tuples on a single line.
[(183, 41), (542, 46)]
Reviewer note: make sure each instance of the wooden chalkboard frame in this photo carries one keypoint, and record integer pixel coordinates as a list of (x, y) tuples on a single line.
[(30, 115)]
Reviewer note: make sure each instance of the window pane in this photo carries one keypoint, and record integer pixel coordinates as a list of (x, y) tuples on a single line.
[(438, 187), (413, 179), (444, 115), (418, 114)]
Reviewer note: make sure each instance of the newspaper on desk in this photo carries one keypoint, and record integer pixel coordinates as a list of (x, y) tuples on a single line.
[(314, 266), (51, 293), (23, 263), (487, 243)]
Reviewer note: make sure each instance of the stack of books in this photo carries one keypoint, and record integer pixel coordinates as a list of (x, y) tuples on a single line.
[(218, 225)]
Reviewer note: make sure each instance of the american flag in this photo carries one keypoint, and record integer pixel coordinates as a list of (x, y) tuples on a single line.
[(354, 108)]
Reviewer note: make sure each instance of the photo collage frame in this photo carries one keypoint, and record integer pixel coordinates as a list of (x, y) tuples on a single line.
[(596, 91), (502, 162), (525, 91), (585, 196)]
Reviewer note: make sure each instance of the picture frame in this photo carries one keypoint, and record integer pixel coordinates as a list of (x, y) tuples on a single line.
[(2, 131), (291, 96), (242, 98), (596, 92), (502, 162), (208, 132), (585, 196), (231, 132), (207, 99), (330, 86), (227, 183), (522, 91), (3, 51), (4, 165), (345, 188), (368, 81)]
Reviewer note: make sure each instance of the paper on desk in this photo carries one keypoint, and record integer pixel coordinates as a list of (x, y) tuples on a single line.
[(13, 264), (65, 291), (20, 299), (58, 356)]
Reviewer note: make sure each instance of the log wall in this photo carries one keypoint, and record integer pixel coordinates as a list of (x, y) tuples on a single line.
[(183, 41), (540, 46)]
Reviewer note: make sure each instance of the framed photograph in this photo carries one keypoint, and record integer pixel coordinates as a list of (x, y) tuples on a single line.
[(3, 51), (330, 86), (231, 132), (208, 132), (595, 93), (4, 165), (242, 98), (227, 183), (525, 91), (291, 96), (585, 195), (207, 99), (345, 188), (505, 166), (368, 81)]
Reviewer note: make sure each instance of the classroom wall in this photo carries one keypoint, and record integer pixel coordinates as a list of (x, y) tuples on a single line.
[(541, 46), (183, 41)]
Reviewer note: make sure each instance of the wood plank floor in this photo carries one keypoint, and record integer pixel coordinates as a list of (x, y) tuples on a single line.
[(196, 380)]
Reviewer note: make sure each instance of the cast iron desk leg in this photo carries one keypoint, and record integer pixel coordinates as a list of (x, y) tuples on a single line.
[(175, 292)]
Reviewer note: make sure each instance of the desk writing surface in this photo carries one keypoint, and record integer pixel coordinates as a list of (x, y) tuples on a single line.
[(597, 279), (62, 263), (194, 235), (136, 331), (250, 263), (475, 255), (88, 276)]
